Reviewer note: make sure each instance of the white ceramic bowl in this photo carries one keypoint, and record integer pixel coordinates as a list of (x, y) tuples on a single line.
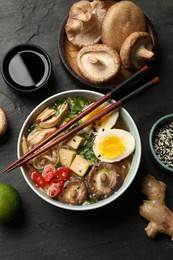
[(135, 162)]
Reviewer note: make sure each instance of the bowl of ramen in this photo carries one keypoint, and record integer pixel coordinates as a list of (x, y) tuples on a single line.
[(91, 168)]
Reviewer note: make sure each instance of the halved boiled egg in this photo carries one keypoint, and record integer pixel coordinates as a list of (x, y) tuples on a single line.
[(113, 145), (103, 123)]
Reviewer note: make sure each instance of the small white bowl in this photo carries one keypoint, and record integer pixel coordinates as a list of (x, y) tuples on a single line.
[(135, 161)]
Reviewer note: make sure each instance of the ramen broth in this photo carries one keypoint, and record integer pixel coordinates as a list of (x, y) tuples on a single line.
[(48, 157)]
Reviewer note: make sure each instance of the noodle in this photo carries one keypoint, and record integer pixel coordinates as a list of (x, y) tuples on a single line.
[(53, 159), (50, 156)]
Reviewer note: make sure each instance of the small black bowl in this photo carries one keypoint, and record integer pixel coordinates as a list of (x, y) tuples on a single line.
[(26, 68)]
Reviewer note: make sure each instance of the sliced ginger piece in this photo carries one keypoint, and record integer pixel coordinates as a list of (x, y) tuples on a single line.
[(160, 217)]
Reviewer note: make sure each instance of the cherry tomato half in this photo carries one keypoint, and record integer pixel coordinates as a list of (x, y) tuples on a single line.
[(48, 174), (55, 189), (61, 174), (38, 179), (31, 170)]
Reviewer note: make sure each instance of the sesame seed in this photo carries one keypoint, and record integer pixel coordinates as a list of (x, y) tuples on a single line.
[(163, 144)]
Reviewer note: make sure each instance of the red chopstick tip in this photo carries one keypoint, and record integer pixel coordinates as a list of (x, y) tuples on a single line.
[(144, 69), (155, 80)]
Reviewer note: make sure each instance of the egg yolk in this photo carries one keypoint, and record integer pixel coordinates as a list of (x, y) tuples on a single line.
[(100, 122), (111, 147)]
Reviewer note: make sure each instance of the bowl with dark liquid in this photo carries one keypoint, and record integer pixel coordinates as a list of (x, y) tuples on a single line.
[(26, 68)]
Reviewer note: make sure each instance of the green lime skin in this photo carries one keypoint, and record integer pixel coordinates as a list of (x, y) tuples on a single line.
[(10, 203)]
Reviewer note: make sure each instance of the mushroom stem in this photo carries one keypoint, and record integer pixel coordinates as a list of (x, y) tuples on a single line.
[(142, 52), (73, 193), (103, 177), (93, 60)]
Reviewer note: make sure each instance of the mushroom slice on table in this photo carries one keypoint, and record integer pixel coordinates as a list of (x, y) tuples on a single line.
[(136, 50), (121, 19), (98, 63), (103, 180), (83, 26), (74, 192), (3, 122)]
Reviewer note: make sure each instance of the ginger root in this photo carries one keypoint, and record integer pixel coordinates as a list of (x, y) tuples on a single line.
[(160, 217)]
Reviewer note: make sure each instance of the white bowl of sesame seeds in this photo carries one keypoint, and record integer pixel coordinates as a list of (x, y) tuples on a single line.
[(161, 142)]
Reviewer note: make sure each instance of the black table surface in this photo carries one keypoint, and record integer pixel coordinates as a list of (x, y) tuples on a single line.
[(117, 230)]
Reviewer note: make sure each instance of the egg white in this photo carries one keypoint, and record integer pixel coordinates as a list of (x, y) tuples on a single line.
[(106, 122), (126, 139)]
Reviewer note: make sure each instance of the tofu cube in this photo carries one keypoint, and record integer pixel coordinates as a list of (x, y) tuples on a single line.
[(80, 165), (75, 142), (66, 156)]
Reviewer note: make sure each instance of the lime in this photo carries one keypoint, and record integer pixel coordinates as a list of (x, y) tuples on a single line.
[(10, 203)]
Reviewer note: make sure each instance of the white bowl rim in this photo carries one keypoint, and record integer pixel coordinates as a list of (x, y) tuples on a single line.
[(128, 180)]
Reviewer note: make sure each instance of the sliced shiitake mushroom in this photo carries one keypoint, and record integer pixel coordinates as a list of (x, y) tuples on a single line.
[(3, 122), (74, 192), (51, 118), (103, 180), (46, 114), (136, 51), (38, 135), (98, 63)]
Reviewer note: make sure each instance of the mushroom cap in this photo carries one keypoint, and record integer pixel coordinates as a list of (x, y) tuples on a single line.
[(3, 122), (98, 63), (136, 50), (121, 19), (74, 192), (81, 10), (103, 180), (83, 26)]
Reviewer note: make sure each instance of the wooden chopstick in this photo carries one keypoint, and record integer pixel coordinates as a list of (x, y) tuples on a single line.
[(82, 114), (111, 107)]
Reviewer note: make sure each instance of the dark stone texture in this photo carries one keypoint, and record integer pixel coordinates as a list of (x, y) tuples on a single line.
[(117, 230)]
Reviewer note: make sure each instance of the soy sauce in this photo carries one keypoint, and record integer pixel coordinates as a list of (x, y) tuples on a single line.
[(28, 69)]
